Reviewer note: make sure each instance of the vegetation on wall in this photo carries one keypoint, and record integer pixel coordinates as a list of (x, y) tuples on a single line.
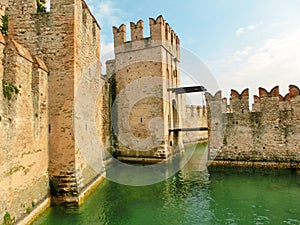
[(4, 27), (7, 220), (9, 89), (41, 8), (112, 98)]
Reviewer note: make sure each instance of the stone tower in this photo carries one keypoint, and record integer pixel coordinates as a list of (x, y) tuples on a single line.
[(67, 39), (144, 110)]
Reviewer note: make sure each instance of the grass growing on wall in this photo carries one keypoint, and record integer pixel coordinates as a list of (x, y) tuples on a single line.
[(41, 8), (9, 90), (7, 220), (4, 27), (112, 98)]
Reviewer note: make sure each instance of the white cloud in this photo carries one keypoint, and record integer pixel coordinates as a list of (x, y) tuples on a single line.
[(107, 53), (242, 30), (244, 52), (105, 12), (275, 62)]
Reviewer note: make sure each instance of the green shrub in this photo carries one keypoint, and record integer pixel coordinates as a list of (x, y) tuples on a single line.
[(9, 89), (28, 210), (7, 220), (41, 8), (4, 27)]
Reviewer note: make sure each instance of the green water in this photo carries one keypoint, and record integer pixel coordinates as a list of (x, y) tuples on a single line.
[(226, 196)]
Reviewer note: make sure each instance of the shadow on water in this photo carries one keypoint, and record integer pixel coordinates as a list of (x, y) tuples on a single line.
[(190, 196)]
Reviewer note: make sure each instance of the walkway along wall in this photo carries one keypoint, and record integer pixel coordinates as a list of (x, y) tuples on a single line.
[(266, 136)]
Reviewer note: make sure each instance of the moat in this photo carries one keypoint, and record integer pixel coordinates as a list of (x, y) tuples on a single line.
[(229, 196)]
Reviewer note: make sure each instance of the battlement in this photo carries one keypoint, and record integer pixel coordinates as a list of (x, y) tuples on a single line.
[(22, 7), (240, 102), (137, 30), (216, 97), (160, 30)]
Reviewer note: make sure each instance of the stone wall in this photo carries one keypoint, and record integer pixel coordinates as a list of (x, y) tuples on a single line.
[(194, 116), (68, 40), (268, 135), (24, 159), (144, 110)]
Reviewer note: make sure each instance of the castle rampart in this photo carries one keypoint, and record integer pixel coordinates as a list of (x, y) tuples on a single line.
[(268, 135), (24, 179)]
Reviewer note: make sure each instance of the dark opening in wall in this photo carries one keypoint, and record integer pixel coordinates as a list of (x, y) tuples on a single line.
[(141, 120), (236, 122), (235, 147), (264, 147), (166, 34), (84, 17), (94, 29), (49, 128)]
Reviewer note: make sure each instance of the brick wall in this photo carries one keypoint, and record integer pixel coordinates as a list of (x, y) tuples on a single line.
[(24, 131), (67, 39)]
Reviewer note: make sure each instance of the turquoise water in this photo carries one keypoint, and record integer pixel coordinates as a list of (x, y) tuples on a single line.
[(226, 196)]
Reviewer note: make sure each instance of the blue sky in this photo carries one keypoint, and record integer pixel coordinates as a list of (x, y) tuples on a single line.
[(244, 43)]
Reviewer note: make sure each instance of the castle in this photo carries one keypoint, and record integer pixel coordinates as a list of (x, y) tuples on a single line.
[(56, 107), (60, 118)]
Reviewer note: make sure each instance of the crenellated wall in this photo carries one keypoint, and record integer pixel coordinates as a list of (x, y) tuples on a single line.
[(24, 158), (267, 136), (144, 69)]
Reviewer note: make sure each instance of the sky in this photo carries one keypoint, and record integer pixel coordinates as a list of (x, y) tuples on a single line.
[(242, 43)]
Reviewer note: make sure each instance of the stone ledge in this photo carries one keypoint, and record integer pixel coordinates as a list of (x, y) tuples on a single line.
[(36, 212), (41, 64), (141, 159), (90, 188), (22, 51), (246, 164)]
